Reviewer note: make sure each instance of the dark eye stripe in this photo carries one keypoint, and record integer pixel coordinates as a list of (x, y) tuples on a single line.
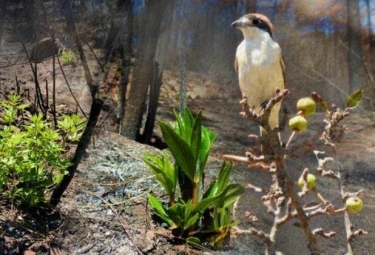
[(262, 25)]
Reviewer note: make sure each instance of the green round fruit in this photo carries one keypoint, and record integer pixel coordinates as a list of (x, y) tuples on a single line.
[(354, 204), (307, 106), (311, 181), (298, 124)]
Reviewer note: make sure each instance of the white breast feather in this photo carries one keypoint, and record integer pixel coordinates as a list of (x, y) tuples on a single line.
[(260, 71)]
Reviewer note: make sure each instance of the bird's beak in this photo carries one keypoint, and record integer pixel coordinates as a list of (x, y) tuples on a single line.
[(238, 24)]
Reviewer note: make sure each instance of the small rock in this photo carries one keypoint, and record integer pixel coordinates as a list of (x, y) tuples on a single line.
[(45, 48), (28, 252), (99, 247), (84, 249), (100, 192), (126, 249)]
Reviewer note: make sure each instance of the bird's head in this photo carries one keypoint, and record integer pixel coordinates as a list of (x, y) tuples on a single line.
[(254, 24)]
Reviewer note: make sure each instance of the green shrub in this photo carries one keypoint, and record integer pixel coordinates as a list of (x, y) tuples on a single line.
[(68, 57), (71, 127), (31, 155), (206, 212)]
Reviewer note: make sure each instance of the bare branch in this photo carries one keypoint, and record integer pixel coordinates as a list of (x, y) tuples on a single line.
[(322, 164), (254, 232), (320, 231)]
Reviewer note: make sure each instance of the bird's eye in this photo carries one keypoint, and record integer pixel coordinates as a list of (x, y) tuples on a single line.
[(256, 21)]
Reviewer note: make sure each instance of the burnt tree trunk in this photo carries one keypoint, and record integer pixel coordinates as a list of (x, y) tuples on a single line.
[(127, 51), (84, 142), (3, 5), (155, 84), (355, 59), (31, 20), (148, 25), (68, 13), (369, 55), (371, 38)]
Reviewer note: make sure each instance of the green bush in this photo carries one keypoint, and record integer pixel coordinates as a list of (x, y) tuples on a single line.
[(207, 215), (68, 57), (71, 127), (31, 155)]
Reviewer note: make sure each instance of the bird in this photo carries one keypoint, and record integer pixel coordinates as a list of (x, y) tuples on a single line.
[(259, 63)]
